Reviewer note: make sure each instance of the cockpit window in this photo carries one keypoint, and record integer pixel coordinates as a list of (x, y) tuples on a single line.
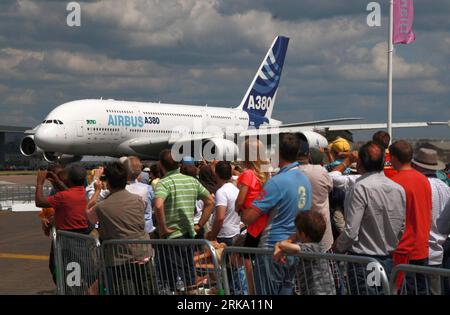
[(54, 121)]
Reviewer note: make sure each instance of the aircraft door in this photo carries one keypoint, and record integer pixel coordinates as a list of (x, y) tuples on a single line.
[(235, 116), (205, 115), (123, 132), (80, 128)]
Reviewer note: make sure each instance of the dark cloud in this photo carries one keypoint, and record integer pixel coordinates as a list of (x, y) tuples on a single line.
[(198, 52), (295, 10)]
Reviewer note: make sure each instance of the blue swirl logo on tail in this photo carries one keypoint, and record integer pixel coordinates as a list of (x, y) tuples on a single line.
[(260, 97)]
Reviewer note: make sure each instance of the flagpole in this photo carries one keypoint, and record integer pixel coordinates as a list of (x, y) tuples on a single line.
[(390, 55)]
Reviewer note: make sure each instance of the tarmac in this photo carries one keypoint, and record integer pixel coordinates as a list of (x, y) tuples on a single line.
[(23, 250)]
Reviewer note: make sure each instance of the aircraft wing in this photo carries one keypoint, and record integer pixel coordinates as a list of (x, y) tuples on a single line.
[(139, 143), (319, 127), (151, 146), (319, 122), (383, 125)]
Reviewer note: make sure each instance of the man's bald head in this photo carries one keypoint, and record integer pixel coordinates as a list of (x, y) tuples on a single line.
[(371, 157)]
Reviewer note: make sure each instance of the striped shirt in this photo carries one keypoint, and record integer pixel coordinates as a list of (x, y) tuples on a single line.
[(180, 193)]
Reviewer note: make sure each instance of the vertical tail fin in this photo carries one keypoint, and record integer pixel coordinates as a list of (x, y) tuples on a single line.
[(259, 100)]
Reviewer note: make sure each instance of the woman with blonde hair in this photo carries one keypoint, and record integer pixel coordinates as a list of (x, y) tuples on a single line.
[(250, 184)]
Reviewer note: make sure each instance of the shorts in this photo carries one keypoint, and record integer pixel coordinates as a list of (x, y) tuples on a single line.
[(251, 241)]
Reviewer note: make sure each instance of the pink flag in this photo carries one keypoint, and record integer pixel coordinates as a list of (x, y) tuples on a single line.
[(403, 22)]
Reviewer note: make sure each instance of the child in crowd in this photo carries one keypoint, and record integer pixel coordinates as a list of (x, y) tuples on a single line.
[(226, 221), (336, 152), (314, 275)]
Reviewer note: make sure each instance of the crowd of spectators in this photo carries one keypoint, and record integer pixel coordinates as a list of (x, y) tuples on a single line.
[(380, 201)]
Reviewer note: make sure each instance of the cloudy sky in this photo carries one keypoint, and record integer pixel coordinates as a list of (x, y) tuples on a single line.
[(207, 52)]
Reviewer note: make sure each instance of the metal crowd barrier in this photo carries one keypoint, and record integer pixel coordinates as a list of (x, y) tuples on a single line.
[(254, 271), (78, 264), (419, 280), (183, 267), (163, 267), (132, 267)]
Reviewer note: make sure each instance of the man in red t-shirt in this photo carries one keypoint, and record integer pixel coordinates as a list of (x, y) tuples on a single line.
[(413, 245), (69, 204)]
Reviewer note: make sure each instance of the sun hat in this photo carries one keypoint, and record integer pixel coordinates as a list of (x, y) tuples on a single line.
[(428, 159)]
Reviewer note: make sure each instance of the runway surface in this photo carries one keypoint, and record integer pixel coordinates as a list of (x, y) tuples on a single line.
[(23, 255)]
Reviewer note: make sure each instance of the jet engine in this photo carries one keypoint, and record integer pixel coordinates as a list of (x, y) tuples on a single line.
[(219, 149), (28, 147), (53, 157), (315, 140)]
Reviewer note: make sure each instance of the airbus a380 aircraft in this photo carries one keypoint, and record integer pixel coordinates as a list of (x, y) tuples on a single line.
[(117, 128)]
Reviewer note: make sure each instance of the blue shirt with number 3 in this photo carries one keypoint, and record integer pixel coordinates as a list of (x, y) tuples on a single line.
[(282, 197)]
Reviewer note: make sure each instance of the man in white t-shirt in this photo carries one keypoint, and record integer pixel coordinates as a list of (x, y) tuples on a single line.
[(225, 221)]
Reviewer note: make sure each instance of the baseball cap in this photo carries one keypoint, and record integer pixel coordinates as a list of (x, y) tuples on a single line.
[(340, 145)]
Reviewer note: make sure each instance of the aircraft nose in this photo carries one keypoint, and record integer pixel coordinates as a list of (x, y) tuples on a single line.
[(45, 137)]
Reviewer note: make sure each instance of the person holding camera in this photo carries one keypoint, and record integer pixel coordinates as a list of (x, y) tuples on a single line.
[(69, 204)]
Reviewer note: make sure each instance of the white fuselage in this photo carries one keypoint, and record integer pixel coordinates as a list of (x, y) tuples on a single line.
[(105, 127)]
